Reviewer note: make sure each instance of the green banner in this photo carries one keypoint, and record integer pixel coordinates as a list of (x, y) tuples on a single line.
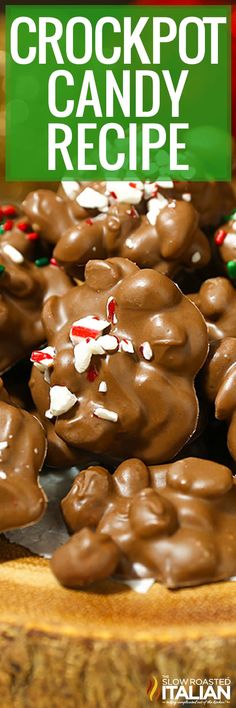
[(127, 92)]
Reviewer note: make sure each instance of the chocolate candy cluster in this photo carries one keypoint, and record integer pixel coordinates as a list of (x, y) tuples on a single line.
[(104, 359), (175, 523)]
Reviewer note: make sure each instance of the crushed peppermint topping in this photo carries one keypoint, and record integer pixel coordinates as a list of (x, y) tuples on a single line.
[(196, 257), (91, 199), (61, 400), (89, 326), (230, 239), (108, 342), (70, 188), (155, 205), (146, 351), (48, 414), (187, 197), (105, 414), (82, 356), (13, 253), (111, 310), (43, 359), (150, 190), (126, 192), (102, 387), (3, 445), (127, 346)]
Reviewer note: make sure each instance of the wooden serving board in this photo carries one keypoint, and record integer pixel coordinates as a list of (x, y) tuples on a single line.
[(69, 649)]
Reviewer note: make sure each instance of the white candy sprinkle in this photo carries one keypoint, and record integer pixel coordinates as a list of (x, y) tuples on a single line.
[(196, 257), (154, 207), (149, 189), (125, 193), (105, 414), (108, 342), (127, 346), (61, 400), (91, 199), (3, 475), (230, 240), (146, 351), (172, 204), (96, 347), (13, 254), (187, 197), (3, 445), (102, 387), (48, 414), (82, 356), (70, 188)]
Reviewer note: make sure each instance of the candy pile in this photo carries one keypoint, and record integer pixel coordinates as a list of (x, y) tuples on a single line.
[(106, 362)]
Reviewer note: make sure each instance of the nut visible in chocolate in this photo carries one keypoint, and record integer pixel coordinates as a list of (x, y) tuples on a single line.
[(24, 288), (220, 386), (175, 523), (216, 300), (128, 346), (167, 238), (22, 454)]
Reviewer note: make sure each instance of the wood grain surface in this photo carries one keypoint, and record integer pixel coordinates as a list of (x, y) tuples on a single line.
[(63, 648)]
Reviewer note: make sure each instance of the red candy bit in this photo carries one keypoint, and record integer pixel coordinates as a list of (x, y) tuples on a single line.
[(220, 237), (111, 310), (53, 262), (8, 225), (39, 356), (89, 221), (92, 374), (22, 225), (8, 210), (133, 184), (32, 236), (113, 195), (84, 332), (155, 191)]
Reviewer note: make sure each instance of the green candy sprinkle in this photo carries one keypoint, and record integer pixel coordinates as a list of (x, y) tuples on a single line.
[(2, 268), (40, 262), (1, 230), (233, 215), (231, 269)]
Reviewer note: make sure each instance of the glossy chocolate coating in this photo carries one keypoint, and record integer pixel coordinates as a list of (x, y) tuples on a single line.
[(175, 523), (212, 200), (220, 386), (173, 243), (22, 454), (59, 454), (24, 289), (216, 300), (51, 214), (153, 398)]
